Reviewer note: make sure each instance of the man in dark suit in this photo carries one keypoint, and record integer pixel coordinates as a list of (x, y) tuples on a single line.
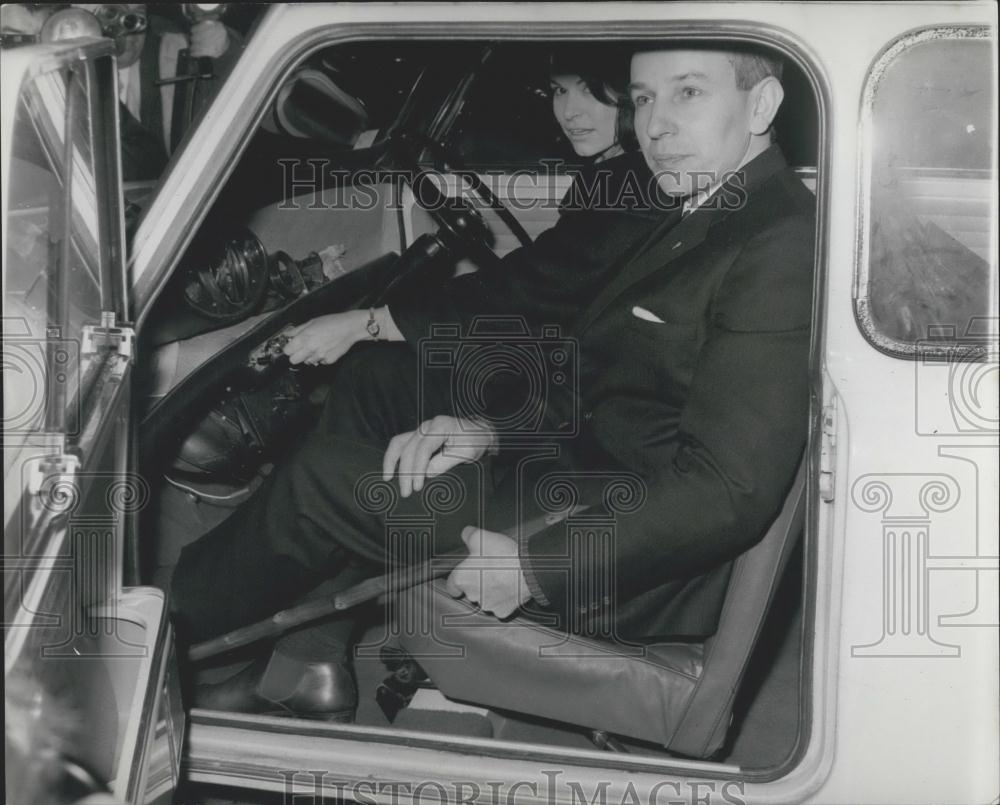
[(692, 386)]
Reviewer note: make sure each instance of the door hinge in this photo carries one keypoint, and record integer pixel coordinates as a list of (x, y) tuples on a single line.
[(828, 452), (52, 486), (107, 335), (58, 467)]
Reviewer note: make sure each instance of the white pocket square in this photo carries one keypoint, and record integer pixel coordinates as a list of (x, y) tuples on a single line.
[(646, 315)]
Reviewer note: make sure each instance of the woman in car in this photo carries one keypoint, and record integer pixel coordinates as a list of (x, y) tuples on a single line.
[(612, 204), (591, 104)]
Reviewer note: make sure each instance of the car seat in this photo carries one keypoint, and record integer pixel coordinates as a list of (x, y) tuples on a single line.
[(677, 694)]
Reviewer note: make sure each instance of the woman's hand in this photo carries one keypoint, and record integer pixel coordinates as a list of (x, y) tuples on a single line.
[(434, 447), (326, 338)]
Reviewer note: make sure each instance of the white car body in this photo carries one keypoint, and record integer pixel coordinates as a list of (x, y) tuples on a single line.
[(898, 710)]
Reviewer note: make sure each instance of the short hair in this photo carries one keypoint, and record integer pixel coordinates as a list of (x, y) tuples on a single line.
[(751, 63), (753, 66)]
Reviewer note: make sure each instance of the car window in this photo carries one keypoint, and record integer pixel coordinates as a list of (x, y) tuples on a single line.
[(54, 258), (927, 261), (344, 91), (331, 108), (60, 250), (42, 224), (506, 122)]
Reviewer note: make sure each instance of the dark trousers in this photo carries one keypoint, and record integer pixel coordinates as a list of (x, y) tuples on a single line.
[(325, 506), (326, 516)]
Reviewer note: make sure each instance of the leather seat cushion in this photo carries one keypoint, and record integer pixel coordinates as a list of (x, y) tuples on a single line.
[(520, 665)]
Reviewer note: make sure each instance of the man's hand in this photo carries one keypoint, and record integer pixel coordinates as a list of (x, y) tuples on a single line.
[(491, 576), (209, 38), (434, 447), (326, 338)]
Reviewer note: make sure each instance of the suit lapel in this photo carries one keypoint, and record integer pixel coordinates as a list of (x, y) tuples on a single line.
[(666, 245), (670, 242)]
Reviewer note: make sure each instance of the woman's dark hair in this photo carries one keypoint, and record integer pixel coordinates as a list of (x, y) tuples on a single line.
[(605, 72)]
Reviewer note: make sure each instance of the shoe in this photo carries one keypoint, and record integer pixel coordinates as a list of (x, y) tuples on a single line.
[(283, 686)]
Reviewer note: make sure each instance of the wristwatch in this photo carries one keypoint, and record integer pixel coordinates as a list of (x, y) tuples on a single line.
[(372, 326)]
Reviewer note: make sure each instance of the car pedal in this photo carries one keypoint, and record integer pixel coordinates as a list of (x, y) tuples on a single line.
[(396, 691)]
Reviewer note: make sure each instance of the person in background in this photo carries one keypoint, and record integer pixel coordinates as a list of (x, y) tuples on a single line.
[(157, 62), (149, 57)]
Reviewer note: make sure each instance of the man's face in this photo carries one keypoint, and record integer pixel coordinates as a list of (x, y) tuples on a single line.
[(692, 123), (129, 45)]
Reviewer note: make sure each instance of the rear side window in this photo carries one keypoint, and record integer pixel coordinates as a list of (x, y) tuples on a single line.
[(926, 277)]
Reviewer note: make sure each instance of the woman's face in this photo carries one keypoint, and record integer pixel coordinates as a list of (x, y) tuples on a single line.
[(588, 124)]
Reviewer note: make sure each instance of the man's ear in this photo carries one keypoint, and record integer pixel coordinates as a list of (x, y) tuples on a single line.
[(765, 98)]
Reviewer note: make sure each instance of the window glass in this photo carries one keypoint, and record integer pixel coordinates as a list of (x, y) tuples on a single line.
[(53, 254), (47, 227), (341, 100), (507, 121), (929, 261), (344, 91)]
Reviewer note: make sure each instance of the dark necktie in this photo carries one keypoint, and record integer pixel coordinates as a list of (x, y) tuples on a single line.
[(670, 220)]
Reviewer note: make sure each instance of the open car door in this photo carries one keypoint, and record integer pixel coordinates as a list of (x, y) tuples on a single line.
[(86, 656)]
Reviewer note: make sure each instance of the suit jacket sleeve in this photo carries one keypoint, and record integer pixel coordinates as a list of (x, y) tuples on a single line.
[(523, 283), (604, 213), (743, 427)]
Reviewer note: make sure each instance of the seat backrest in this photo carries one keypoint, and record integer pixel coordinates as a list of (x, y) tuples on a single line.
[(702, 728), (679, 695)]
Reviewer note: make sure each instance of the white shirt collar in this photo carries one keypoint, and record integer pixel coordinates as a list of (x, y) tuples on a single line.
[(695, 201)]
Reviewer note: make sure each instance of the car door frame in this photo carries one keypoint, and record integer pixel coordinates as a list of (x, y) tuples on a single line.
[(76, 627)]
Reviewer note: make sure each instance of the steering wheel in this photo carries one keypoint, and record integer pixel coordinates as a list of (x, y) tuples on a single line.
[(228, 280), (445, 159)]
